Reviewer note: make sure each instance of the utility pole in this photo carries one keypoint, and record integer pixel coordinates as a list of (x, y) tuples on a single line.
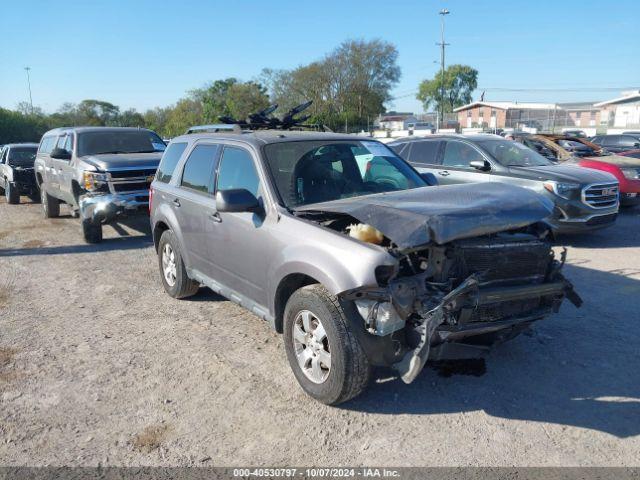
[(442, 44), (27, 69)]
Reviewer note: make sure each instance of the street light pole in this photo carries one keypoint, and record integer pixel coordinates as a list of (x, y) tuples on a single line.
[(27, 69), (442, 44)]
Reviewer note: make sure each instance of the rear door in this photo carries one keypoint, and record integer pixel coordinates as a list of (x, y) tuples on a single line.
[(425, 156), (194, 205), (57, 173), (48, 172), (66, 169)]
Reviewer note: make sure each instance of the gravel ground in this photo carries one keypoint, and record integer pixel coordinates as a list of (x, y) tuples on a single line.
[(99, 366)]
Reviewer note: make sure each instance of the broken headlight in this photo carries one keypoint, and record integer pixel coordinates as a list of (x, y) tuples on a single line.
[(561, 189), (94, 181), (380, 318)]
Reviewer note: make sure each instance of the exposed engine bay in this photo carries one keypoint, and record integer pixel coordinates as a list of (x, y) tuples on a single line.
[(446, 294)]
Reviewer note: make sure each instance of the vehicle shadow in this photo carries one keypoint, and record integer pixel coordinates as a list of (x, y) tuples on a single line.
[(109, 244), (205, 294), (578, 368)]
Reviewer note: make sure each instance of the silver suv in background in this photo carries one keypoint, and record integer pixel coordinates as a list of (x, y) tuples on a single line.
[(584, 199), (102, 173), (345, 249)]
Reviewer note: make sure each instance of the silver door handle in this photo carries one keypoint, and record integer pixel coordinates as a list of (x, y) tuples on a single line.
[(215, 217), (444, 173), (176, 202)]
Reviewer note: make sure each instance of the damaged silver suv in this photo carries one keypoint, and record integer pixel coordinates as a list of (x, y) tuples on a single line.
[(342, 246)]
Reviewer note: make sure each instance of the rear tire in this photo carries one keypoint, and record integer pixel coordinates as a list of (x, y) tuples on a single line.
[(310, 310), (11, 193), (172, 270), (91, 231), (50, 205)]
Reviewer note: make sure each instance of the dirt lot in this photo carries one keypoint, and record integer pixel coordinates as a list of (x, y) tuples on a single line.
[(99, 366)]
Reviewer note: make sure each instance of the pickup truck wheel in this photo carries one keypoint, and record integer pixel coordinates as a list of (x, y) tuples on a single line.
[(11, 193), (50, 205), (172, 271), (91, 231), (324, 354)]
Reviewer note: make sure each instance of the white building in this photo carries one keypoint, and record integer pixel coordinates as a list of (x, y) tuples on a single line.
[(622, 112)]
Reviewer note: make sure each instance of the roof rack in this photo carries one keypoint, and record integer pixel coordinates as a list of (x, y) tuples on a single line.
[(220, 127), (263, 120)]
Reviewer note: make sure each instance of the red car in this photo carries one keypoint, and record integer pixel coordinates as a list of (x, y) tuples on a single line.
[(625, 169)]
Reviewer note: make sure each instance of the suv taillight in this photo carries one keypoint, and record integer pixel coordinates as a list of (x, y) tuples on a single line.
[(150, 198)]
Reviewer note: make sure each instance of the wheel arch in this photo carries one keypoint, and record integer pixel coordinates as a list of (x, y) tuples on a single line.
[(285, 289)]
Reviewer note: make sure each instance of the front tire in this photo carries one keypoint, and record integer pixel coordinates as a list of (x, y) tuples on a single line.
[(11, 193), (91, 231), (50, 205), (324, 354), (172, 270)]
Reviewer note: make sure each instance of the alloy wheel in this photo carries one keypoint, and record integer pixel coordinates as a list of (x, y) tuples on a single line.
[(169, 265), (311, 346)]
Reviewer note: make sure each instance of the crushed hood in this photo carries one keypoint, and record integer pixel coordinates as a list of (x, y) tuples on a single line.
[(415, 217), (108, 161)]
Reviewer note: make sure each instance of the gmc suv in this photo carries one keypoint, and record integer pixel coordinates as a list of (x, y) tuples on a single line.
[(102, 173), (584, 199), (342, 246)]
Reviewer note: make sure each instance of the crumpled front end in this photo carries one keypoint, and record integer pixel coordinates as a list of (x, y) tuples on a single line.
[(446, 296)]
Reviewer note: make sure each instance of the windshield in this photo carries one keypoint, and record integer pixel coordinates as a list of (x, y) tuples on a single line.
[(22, 156), (513, 154), (320, 171), (123, 141)]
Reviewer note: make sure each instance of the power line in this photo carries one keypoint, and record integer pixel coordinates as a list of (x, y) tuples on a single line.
[(536, 90)]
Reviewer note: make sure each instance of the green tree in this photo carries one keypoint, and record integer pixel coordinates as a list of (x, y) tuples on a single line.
[(186, 113), (230, 97), (130, 118), (17, 127), (97, 112), (459, 83), (349, 85)]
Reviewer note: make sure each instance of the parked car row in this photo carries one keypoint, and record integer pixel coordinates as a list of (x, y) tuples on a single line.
[(358, 257)]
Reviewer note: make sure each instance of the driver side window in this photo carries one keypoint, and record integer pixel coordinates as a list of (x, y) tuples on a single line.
[(237, 170), (458, 154)]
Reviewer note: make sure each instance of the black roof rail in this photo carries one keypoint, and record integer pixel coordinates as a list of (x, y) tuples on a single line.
[(215, 128)]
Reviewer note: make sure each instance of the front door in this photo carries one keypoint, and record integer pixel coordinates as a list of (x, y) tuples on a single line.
[(239, 241), (456, 166)]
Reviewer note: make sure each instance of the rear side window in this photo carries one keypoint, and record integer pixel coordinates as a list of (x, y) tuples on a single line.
[(198, 169), (169, 161), (237, 170), (424, 152), (47, 143)]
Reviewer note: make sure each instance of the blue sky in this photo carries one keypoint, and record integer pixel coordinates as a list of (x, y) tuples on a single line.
[(143, 53)]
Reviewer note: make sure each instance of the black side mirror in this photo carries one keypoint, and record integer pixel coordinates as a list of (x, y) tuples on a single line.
[(237, 200), (481, 165), (60, 154), (430, 178)]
